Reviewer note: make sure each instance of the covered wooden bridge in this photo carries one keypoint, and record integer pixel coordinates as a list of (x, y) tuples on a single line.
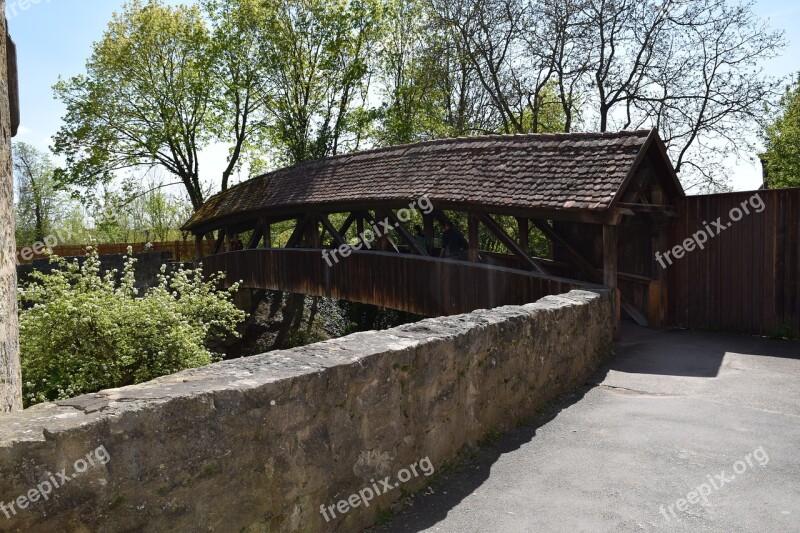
[(603, 201)]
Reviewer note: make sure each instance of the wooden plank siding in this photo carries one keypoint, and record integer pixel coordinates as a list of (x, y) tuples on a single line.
[(421, 285), (747, 279)]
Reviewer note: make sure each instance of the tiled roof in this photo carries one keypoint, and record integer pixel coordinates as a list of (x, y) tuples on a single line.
[(552, 171)]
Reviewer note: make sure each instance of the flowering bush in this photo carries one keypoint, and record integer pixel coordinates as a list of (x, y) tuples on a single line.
[(82, 332)]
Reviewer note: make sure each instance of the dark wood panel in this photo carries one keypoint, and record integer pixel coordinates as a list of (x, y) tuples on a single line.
[(747, 279), (421, 285)]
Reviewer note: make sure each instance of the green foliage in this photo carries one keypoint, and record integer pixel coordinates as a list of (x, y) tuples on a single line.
[(82, 332), (410, 72), (165, 81), (549, 115), (301, 337), (783, 332), (782, 157), (138, 213), (297, 80), (384, 516), (144, 99), (240, 97), (39, 207)]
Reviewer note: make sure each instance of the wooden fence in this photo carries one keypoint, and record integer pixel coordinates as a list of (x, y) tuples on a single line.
[(747, 277), (181, 250)]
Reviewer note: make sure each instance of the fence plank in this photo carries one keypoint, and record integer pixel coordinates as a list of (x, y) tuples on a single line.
[(746, 278)]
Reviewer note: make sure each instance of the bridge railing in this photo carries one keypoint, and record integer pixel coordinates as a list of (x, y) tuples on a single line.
[(422, 285)]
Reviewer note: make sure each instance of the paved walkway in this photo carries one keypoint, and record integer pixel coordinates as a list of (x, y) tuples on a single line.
[(672, 414)]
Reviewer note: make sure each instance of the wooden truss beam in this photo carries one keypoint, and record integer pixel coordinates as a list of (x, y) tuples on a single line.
[(509, 243), (299, 230), (258, 232), (585, 266), (337, 236), (385, 238), (405, 234), (349, 221)]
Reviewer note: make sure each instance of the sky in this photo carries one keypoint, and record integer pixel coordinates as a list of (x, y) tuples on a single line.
[(54, 38)]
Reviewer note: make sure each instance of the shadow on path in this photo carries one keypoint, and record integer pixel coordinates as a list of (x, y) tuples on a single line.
[(449, 488), (685, 355)]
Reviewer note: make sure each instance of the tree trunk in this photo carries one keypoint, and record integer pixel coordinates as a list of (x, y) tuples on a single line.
[(39, 231)]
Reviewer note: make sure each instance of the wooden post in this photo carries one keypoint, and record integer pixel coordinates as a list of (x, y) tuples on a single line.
[(656, 295), (473, 236), (429, 231), (524, 229), (654, 299), (360, 228), (383, 240), (198, 247), (219, 243), (313, 233), (610, 270)]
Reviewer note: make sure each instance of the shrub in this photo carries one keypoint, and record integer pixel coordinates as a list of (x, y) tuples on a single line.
[(82, 332)]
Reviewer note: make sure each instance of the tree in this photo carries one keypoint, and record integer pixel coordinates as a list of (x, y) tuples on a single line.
[(431, 88), (560, 41), (144, 100), (782, 138), (162, 214), (488, 35), (707, 86), (691, 68), (409, 73), (318, 53), (139, 211), (294, 79), (40, 206), (512, 63), (239, 75)]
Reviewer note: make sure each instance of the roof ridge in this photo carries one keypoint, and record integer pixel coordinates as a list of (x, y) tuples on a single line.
[(455, 140)]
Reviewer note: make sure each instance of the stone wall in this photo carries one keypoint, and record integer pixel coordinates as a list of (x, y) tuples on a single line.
[(10, 384), (261, 443)]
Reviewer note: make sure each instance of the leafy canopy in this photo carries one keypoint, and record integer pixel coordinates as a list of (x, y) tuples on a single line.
[(143, 101), (39, 206), (782, 157)]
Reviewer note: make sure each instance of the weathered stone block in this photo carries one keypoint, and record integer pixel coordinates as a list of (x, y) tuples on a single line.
[(259, 444)]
